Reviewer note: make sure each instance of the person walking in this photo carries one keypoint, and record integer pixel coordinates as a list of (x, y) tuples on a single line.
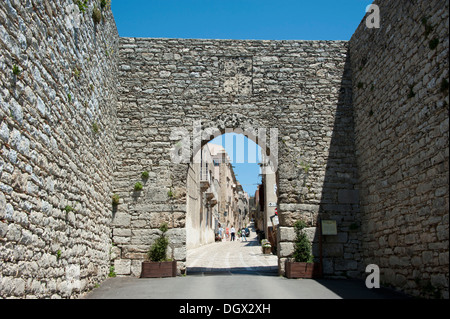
[(243, 235), (227, 233), (233, 233), (221, 233)]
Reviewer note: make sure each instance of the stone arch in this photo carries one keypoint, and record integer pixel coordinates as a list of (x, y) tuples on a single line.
[(290, 87), (252, 128), (205, 131)]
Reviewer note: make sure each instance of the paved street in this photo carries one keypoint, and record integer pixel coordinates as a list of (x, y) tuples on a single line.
[(234, 270), (231, 256)]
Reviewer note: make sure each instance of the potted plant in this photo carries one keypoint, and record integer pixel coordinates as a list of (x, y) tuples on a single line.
[(302, 265), (158, 265), (266, 246)]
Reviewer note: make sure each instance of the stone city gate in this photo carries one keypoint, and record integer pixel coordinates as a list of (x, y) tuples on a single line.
[(300, 88), (83, 112)]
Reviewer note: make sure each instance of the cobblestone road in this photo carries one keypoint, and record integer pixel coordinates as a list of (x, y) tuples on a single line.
[(231, 256)]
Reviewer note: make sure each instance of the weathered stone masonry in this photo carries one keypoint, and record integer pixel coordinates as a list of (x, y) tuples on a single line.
[(362, 139), (297, 87), (401, 128), (50, 156)]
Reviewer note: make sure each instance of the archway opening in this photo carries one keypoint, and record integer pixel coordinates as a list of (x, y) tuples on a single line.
[(231, 206)]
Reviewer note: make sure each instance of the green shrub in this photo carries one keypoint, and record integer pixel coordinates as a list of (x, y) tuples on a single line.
[(16, 70), (68, 209), (96, 15), (265, 243), (95, 127), (145, 175), (105, 4), (112, 272), (302, 246), (115, 199), (433, 43), (82, 5), (138, 186), (158, 251)]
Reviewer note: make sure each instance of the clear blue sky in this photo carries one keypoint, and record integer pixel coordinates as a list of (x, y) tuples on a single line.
[(239, 19), (245, 156)]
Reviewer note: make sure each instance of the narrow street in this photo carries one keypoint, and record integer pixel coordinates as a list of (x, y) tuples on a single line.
[(232, 256)]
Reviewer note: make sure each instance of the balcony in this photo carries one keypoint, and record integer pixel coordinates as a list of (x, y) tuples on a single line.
[(211, 193), (205, 180)]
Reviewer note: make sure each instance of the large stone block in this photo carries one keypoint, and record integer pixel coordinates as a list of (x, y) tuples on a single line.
[(121, 220), (122, 266)]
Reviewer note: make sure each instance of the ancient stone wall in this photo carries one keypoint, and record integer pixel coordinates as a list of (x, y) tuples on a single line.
[(298, 91), (57, 121), (400, 98), (83, 114)]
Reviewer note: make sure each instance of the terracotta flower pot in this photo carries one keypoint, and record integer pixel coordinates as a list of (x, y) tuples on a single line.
[(152, 269)]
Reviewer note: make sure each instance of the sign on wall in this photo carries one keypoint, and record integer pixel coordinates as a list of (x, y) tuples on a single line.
[(329, 227)]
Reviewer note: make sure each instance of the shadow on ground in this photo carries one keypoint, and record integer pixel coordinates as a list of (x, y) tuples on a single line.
[(256, 271)]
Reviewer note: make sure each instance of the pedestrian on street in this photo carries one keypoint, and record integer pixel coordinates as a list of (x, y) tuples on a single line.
[(233, 231), (243, 237), (221, 233), (227, 233)]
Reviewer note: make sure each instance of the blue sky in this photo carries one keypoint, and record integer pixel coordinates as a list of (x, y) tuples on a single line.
[(244, 155), (239, 19)]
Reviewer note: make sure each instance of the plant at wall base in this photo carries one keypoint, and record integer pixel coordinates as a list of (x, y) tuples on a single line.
[(112, 272), (266, 246), (302, 246), (138, 186), (158, 265), (302, 265), (158, 251)]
